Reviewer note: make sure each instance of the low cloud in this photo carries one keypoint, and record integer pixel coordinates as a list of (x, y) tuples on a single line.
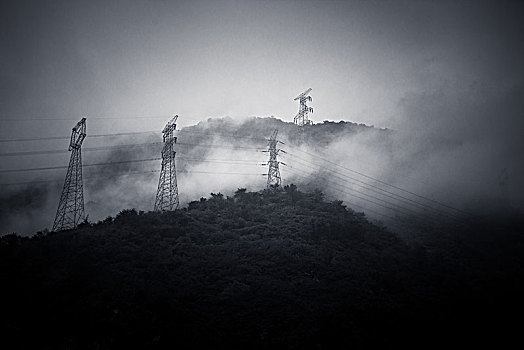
[(471, 166)]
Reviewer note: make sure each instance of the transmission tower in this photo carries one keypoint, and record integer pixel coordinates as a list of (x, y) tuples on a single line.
[(167, 193), (273, 175), (70, 210), (301, 118)]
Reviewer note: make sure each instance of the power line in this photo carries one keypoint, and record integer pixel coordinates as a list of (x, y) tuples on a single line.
[(133, 133), (369, 187), (107, 148), (102, 148), (45, 118), (183, 131), (85, 178), (394, 207), (382, 203), (90, 136), (133, 173), (220, 146), (212, 160), (296, 173), (384, 183), (85, 165), (364, 184), (220, 172), (186, 171), (338, 189)]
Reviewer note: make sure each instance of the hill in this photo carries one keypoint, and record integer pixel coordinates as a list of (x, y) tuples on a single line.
[(379, 171), (220, 149), (259, 270)]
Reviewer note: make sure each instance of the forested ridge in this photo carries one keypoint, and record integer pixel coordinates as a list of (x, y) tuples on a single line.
[(267, 269)]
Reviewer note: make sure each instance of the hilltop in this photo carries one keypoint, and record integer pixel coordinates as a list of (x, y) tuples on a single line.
[(210, 146), (257, 270)]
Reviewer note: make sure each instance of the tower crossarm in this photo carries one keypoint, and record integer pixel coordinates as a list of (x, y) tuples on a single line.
[(303, 94), (78, 134), (170, 126)]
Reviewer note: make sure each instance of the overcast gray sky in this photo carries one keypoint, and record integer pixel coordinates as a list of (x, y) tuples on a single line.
[(244, 58), (447, 75)]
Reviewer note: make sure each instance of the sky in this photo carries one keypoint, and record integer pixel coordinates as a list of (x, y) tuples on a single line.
[(245, 58), (441, 74)]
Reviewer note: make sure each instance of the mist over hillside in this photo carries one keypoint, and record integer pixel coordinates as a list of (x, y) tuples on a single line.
[(342, 159)]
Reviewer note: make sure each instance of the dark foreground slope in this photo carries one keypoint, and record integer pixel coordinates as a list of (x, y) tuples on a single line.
[(258, 270)]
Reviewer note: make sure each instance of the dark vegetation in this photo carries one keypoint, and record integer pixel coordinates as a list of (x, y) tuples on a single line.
[(260, 270)]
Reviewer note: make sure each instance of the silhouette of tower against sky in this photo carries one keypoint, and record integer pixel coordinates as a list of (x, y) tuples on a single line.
[(302, 118), (167, 193), (70, 210)]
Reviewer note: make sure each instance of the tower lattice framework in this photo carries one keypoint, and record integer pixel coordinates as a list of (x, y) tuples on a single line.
[(302, 117), (167, 192), (274, 180), (70, 210)]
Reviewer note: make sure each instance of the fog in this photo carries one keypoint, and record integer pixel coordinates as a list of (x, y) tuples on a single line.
[(341, 159), (445, 79)]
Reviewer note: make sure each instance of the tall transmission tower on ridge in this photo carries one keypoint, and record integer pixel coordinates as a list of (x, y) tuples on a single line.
[(167, 193), (301, 118), (70, 210), (274, 180)]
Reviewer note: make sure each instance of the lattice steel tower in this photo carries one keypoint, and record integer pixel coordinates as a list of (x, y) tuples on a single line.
[(273, 175), (301, 118), (167, 193), (70, 210)]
